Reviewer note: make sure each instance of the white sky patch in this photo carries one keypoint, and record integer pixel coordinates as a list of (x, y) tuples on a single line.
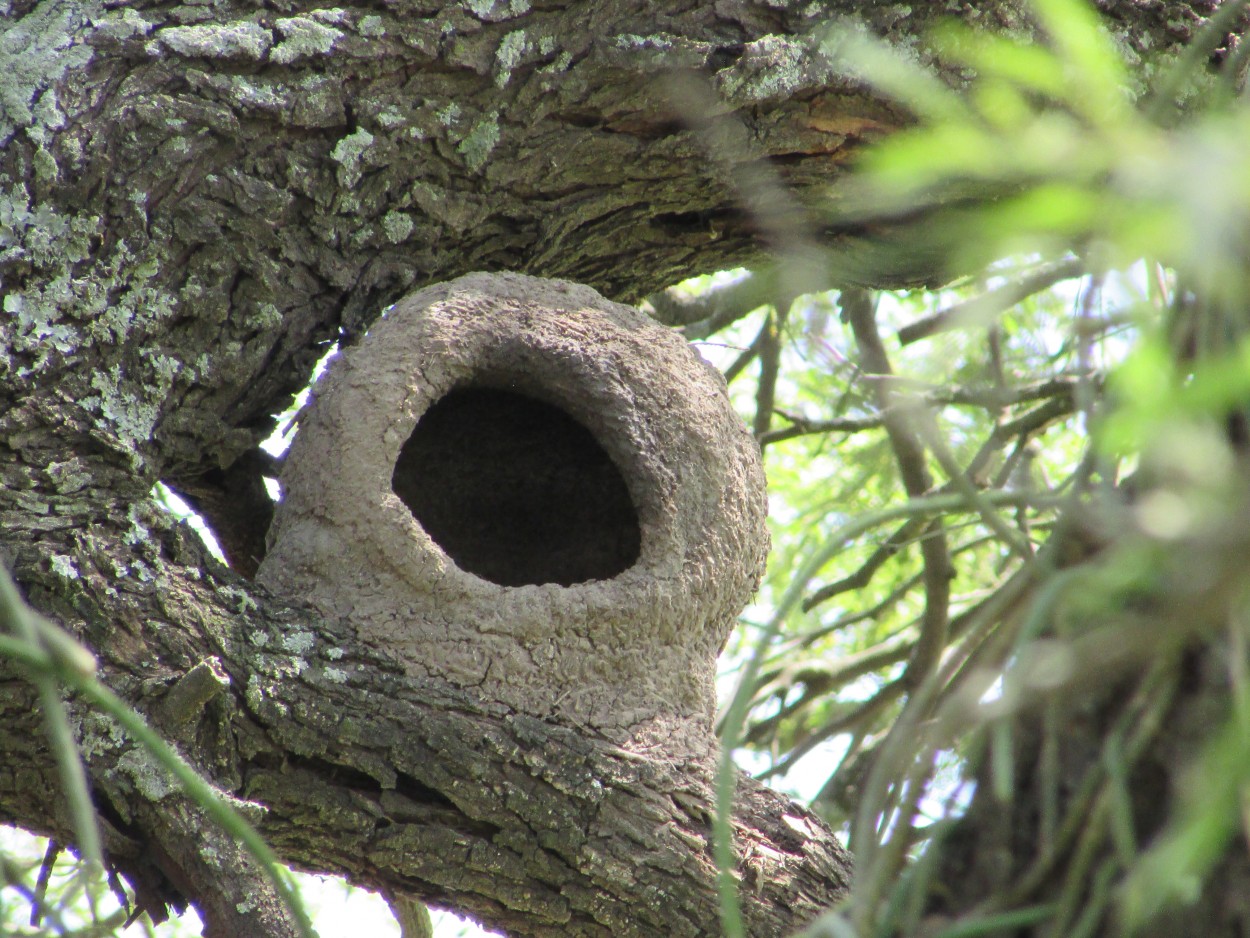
[(340, 911), (171, 500), (336, 909), (279, 441), (993, 693)]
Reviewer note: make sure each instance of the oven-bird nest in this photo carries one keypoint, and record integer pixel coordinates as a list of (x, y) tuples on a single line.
[(543, 497)]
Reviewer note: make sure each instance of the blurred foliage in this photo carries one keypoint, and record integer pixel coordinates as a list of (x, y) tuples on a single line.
[(40, 897), (1019, 500)]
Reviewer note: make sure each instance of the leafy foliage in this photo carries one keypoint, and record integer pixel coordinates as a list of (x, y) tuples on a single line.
[(1019, 491)]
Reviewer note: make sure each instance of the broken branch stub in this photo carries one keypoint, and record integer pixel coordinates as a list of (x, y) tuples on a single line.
[(531, 492)]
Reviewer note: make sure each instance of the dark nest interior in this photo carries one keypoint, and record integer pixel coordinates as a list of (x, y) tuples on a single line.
[(516, 491)]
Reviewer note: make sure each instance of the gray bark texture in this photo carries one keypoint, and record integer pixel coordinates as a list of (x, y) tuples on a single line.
[(195, 200)]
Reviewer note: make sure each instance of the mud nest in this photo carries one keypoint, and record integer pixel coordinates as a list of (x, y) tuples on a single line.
[(519, 487)]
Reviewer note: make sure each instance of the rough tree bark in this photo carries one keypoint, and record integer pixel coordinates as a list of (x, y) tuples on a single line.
[(195, 199)]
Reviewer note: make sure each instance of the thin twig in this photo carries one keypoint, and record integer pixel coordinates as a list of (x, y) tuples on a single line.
[(1058, 391), (41, 883), (863, 576), (1037, 419), (800, 426), (818, 679), (964, 485), (871, 612), (916, 723), (994, 398), (980, 309), (854, 719), (739, 364), (847, 772)]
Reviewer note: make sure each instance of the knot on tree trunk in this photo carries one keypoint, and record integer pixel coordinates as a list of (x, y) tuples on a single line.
[(517, 486)]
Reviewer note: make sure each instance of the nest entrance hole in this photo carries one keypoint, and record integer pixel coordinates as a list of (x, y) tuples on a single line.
[(516, 491)]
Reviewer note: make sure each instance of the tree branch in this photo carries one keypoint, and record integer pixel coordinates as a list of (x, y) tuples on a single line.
[(858, 309), (901, 536), (700, 315), (230, 889), (383, 778), (981, 309), (770, 368), (1058, 391)]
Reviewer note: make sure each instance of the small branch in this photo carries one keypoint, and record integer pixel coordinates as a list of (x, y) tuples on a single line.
[(1059, 391), (707, 313), (184, 704), (819, 679), (941, 503), (704, 314), (994, 347), (1036, 419), (805, 640), (770, 367), (739, 364), (994, 398), (800, 426), (39, 903), (863, 576), (841, 785), (871, 612), (964, 485), (980, 309), (412, 914), (856, 718), (900, 419)]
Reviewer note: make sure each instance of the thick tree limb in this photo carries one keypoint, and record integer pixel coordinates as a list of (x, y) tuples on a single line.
[(231, 893), (273, 191), (384, 779)]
